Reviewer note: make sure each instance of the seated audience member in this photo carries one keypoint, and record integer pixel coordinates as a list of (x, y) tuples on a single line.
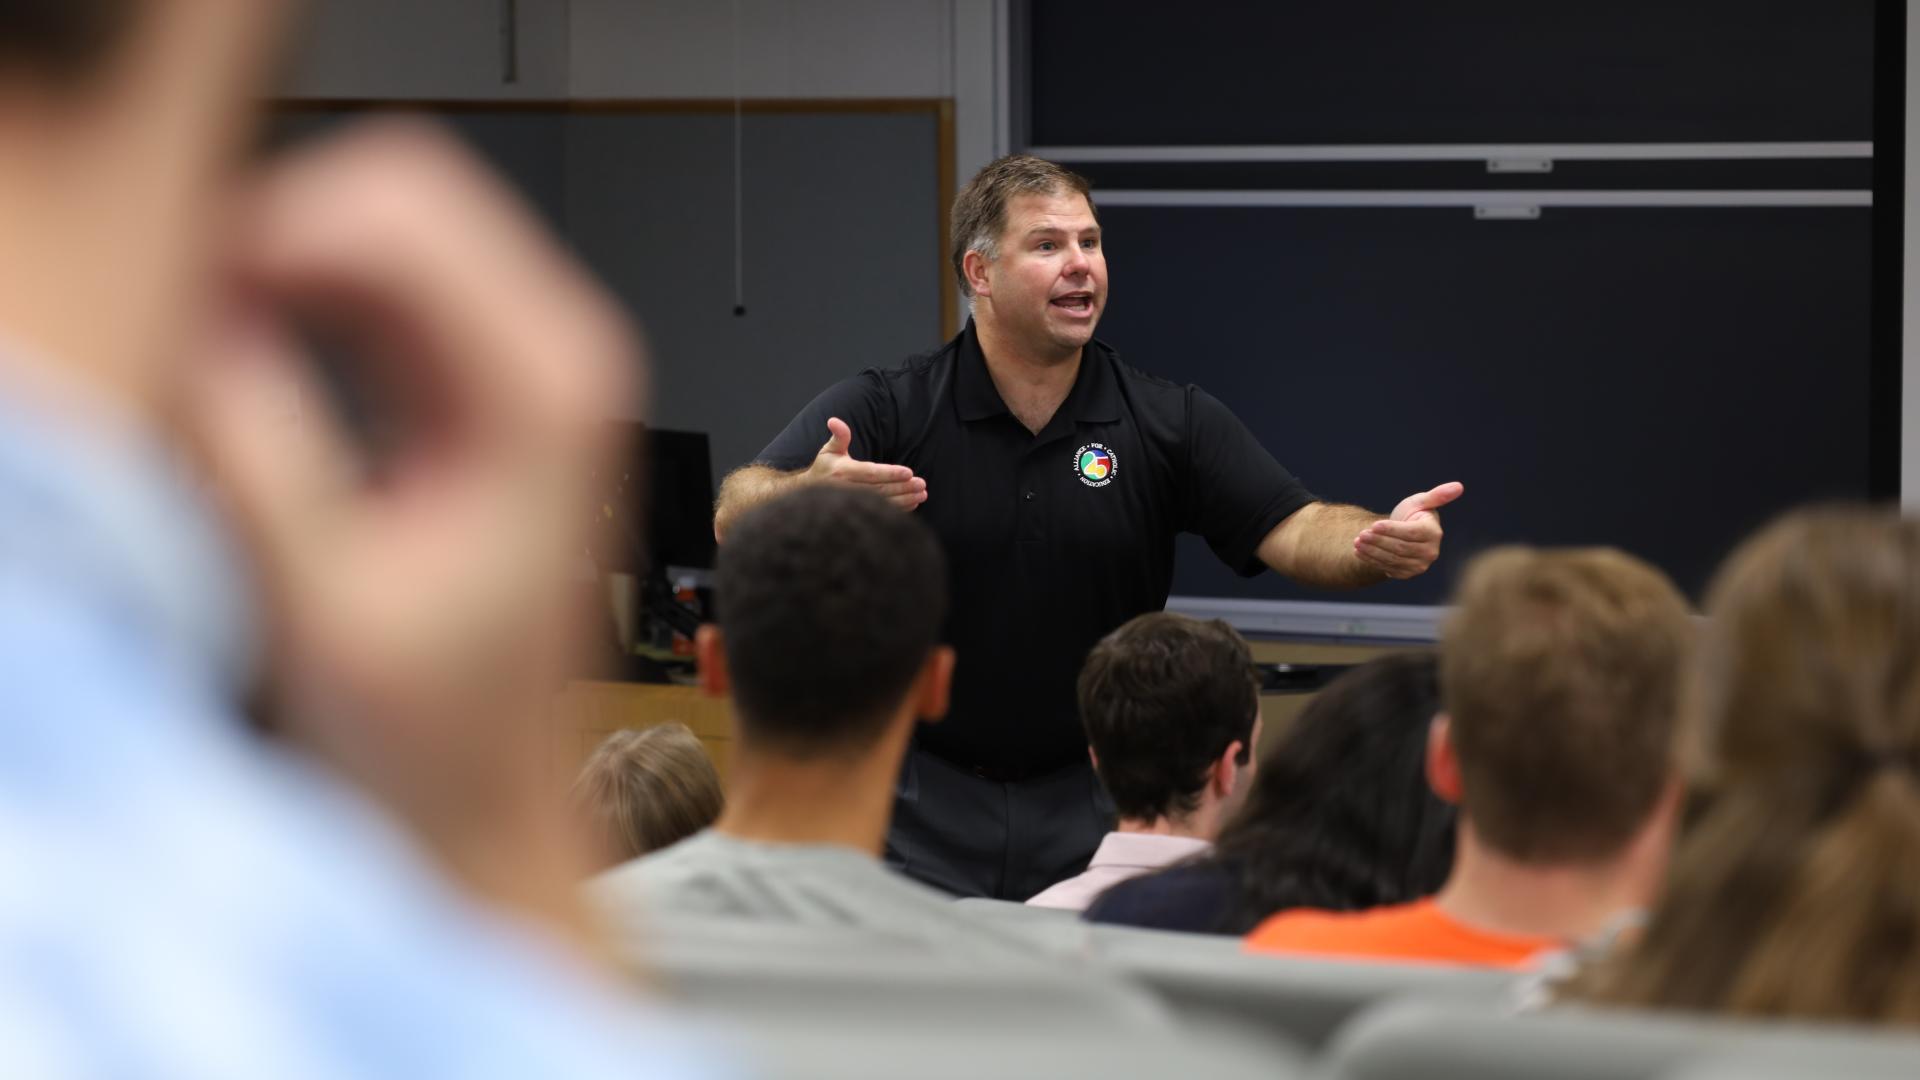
[(1172, 712), (1559, 676), (1340, 817), (644, 790), (386, 885), (1795, 890), (830, 606)]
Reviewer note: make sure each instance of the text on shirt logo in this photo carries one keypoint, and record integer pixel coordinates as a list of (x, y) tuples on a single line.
[(1095, 465)]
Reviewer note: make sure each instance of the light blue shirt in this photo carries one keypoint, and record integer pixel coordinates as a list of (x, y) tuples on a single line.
[(177, 897)]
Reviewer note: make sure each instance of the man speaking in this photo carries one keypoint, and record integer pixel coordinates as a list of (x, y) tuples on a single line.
[(1057, 477)]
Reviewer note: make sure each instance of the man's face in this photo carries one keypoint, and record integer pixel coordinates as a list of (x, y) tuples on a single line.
[(1049, 284)]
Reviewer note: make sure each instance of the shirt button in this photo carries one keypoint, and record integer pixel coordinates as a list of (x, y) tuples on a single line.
[(1029, 496)]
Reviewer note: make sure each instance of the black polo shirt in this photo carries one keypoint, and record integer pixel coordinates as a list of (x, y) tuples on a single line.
[(1054, 539)]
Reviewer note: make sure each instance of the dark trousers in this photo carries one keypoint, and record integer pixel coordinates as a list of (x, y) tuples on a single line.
[(972, 836)]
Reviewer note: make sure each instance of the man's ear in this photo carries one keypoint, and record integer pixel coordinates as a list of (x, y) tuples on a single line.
[(1443, 765), (710, 654), (974, 265), (934, 685)]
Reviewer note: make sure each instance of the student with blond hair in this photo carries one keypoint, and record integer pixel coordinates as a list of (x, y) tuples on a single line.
[(1796, 892), (643, 790)]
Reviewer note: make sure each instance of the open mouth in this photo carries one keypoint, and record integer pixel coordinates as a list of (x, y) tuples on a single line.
[(1078, 303)]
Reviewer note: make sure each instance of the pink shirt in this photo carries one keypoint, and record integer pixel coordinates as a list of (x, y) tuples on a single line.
[(1122, 855)]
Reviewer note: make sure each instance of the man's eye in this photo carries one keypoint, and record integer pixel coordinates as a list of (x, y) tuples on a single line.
[(1090, 243), (1046, 245)]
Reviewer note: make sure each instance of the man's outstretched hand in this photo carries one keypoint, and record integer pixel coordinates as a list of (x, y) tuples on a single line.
[(1407, 542), (835, 464)]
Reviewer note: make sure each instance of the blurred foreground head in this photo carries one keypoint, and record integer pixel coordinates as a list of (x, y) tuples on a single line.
[(1796, 892), (357, 876), (62, 39), (158, 288)]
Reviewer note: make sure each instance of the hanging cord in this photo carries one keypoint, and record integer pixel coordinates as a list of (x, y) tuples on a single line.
[(739, 232)]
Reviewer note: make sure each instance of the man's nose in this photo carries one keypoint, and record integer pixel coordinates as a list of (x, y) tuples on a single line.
[(1078, 264)]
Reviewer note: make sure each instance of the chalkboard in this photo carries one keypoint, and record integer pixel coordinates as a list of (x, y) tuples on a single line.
[(1142, 73), (1661, 379), (1669, 328)]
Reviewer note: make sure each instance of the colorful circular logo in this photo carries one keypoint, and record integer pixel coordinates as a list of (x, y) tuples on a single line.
[(1094, 464)]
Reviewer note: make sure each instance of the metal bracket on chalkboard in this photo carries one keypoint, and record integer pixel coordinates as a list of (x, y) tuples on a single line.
[(1520, 165), (1506, 213)]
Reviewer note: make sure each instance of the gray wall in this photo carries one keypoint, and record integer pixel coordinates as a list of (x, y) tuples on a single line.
[(413, 49), (785, 48), (841, 255)]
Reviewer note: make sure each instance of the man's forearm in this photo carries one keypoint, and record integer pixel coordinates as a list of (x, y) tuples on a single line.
[(1314, 546), (748, 487)]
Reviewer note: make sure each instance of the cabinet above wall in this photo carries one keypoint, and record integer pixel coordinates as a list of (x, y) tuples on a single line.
[(677, 49), (430, 49)]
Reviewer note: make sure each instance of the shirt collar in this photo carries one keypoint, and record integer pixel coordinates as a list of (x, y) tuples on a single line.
[(1095, 397), (1145, 850)]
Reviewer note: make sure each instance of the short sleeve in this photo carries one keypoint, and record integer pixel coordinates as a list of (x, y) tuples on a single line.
[(1238, 491), (865, 405)]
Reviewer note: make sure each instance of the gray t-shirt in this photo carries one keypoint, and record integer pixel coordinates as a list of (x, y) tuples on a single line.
[(712, 876)]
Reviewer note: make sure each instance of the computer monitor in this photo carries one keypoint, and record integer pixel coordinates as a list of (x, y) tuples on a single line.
[(656, 509), (679, 506)]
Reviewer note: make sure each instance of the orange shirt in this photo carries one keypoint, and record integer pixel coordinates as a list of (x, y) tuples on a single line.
[(1419, 931)]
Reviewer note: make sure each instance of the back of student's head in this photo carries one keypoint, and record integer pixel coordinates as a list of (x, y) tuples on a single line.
[(1560, 671), (1796, 889), (645, 790), (830, 600), (1341, 816), (1162, 698)]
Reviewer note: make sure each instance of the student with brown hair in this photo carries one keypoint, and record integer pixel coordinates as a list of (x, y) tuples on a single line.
[(648, 789), (1796, 892), (1171, 706), (1559, 675)]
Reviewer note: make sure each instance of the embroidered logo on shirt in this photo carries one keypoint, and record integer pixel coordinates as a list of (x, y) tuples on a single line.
[(1094, 464)]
